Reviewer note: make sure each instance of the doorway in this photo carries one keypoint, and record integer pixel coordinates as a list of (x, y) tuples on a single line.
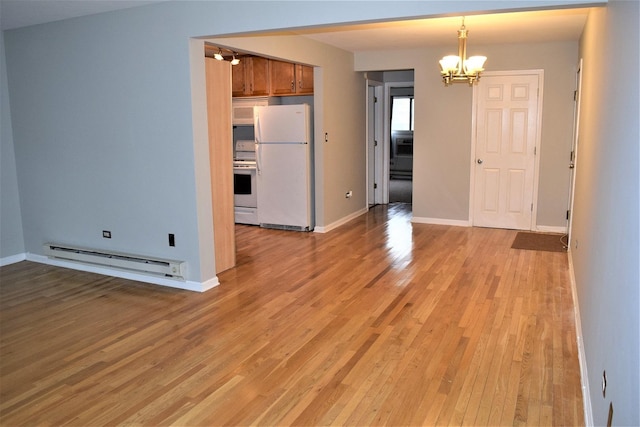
[(401, 107), (390, 145), (505, 160)]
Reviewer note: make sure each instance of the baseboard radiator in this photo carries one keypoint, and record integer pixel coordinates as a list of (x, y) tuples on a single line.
[(176, 269)]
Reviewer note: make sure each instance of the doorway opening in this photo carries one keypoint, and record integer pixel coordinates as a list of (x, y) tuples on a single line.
[(390, 123), (401, 150)]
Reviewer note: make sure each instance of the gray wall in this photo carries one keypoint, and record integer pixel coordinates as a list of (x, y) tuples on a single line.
[(442, 138), (11, 236), (102, 129), (604, 247)]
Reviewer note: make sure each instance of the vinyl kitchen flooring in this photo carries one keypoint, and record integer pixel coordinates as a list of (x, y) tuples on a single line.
[(379, 322)]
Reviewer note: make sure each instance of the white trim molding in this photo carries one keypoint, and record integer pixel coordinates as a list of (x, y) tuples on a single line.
[(582, 357), (551, 229), (12, 259), (162, 281), (340, 222), (441, 221)]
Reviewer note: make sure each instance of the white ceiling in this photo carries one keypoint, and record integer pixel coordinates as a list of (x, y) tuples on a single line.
[(520, 27)]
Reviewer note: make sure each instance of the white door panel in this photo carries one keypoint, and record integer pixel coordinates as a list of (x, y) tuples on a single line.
[(506, 137)]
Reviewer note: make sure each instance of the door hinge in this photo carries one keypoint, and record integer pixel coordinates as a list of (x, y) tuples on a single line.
[(571, 156), (375, 185), (575, 95), (375, 143), (375, 99), (531, 207), (535, 151), (568, 214)]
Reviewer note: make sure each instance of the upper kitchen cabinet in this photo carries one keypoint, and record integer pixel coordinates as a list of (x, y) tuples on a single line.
[(304, 76), (288, 78), (250, 77)]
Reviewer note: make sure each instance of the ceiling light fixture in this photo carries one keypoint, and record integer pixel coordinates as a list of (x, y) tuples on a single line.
[(457, 68), (222, 54)]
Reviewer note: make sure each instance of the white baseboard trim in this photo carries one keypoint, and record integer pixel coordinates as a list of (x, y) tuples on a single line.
[(162, 281), (440, 221), (12, 259), (340, 222), (551, 229), (205, 286), (584, 377)]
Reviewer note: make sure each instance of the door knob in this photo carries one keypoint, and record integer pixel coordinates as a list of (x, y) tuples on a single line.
[(479, 161)]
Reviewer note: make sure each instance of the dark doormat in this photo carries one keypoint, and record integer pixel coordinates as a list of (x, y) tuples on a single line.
[(539, 242)]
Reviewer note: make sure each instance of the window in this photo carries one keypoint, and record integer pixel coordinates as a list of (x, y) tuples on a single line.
[(402, 113)]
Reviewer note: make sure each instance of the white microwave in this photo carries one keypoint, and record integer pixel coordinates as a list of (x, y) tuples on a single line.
[(242, 109)]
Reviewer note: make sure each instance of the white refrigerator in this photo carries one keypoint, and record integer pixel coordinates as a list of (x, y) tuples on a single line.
[(284, 167)]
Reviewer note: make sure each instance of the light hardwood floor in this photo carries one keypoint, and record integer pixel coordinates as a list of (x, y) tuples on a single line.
[(380, 322)]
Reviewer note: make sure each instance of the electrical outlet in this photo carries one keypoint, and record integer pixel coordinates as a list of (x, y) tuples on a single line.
[(106, 234)]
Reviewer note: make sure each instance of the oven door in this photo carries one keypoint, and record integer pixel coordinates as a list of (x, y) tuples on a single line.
[(244, 186)]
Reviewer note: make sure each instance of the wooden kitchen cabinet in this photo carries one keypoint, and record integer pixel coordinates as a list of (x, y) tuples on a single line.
[(288, 78), (250, 77), (283, 78), (304, 79)]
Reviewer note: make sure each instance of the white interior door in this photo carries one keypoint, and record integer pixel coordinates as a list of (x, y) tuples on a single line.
[(573, 161), (371, 146), (375, 119), (507, 133)]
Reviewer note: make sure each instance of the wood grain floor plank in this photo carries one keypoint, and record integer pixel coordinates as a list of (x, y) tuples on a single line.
[(379, 322)]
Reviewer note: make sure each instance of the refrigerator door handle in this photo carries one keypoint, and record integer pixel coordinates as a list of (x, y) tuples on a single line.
[(258, 158), (256, 125), (258, 138)]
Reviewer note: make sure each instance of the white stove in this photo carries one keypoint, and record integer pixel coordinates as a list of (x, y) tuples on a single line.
[(245, 194)]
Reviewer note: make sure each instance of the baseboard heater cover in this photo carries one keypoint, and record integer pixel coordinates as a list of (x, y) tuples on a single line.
[(287, 227), (163, 267)]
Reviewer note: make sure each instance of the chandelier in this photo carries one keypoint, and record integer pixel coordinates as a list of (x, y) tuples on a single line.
[(457, 68)]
